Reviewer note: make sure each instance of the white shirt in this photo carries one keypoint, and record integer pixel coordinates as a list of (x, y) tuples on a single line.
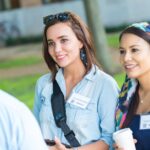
[(18, 128)]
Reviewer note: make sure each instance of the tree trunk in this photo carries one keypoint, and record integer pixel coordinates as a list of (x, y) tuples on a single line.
[(96, 26)]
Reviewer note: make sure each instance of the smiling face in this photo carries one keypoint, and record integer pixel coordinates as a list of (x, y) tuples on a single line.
[(134, 55), (63, 45)]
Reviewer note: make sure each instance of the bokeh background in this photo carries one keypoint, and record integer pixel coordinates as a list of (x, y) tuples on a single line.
[(21, 25)]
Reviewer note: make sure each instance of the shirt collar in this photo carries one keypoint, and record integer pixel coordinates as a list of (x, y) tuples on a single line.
[(89, 76)]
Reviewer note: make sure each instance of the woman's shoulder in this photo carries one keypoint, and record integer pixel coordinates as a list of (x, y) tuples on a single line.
[(101, 75), (46, 78), (107, 82)]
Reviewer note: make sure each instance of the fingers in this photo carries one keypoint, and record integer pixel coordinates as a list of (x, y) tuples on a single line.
[(135, 141), (59, 145), (116, 147)]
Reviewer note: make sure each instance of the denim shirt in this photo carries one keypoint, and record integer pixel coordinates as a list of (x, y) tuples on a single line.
[(95, 122)]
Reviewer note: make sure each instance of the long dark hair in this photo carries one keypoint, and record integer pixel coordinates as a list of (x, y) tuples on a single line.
[(132, 108), (135, 99), (82, 33)]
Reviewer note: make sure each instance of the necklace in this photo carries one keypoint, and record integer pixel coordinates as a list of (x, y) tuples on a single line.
[(141, 97), (144, 98)]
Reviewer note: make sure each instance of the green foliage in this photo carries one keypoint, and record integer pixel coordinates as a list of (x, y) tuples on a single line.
[(116, 28), (113, 40), (23, 40), (19, 62), (21, 87), (120, 78)]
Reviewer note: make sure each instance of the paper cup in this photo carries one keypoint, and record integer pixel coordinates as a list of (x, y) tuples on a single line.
[(124, 139)]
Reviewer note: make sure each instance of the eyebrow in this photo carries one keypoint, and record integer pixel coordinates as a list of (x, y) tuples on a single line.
[(60, 37), (132, 46)]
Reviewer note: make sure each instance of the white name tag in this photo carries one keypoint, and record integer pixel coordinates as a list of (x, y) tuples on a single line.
[(145, 122), (79, 100)]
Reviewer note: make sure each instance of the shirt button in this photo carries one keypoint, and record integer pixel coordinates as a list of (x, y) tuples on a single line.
[(42, 99)]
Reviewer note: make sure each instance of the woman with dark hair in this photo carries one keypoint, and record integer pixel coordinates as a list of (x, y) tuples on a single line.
[(89, 94), (133, 109)]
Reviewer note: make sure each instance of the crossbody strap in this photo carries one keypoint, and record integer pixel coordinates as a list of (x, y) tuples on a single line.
[(59, 112)]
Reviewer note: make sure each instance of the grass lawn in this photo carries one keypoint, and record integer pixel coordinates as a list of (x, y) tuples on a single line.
[(23, 87), (19, 62)]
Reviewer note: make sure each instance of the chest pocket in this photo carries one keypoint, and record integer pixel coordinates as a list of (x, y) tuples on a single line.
[(47, 123), (85, 117), (46, 114), (84, 122)]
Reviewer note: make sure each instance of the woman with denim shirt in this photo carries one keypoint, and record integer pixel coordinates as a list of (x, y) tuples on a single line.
[(90, 94), (133, 109)]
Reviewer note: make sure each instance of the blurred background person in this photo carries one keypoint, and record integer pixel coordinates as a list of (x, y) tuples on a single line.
[(18, 127)]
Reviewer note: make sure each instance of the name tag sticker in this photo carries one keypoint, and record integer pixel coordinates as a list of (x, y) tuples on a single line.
[(79, 100), (145, 122)]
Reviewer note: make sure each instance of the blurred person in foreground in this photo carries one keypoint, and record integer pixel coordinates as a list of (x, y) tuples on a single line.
[(133, 109), (18, 127), (90, 95)]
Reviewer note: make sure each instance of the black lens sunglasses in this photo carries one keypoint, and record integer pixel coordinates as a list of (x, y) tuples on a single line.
[(62, 17)]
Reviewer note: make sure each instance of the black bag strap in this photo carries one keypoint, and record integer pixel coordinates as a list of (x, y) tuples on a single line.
[(59, 112)]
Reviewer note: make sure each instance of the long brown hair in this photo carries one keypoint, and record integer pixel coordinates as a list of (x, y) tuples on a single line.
[(82, 33)]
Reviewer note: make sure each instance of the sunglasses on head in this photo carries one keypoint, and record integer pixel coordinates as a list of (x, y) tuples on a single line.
[(62, 17)]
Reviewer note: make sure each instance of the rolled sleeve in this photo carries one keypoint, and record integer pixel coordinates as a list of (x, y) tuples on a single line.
[(106, 109)]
